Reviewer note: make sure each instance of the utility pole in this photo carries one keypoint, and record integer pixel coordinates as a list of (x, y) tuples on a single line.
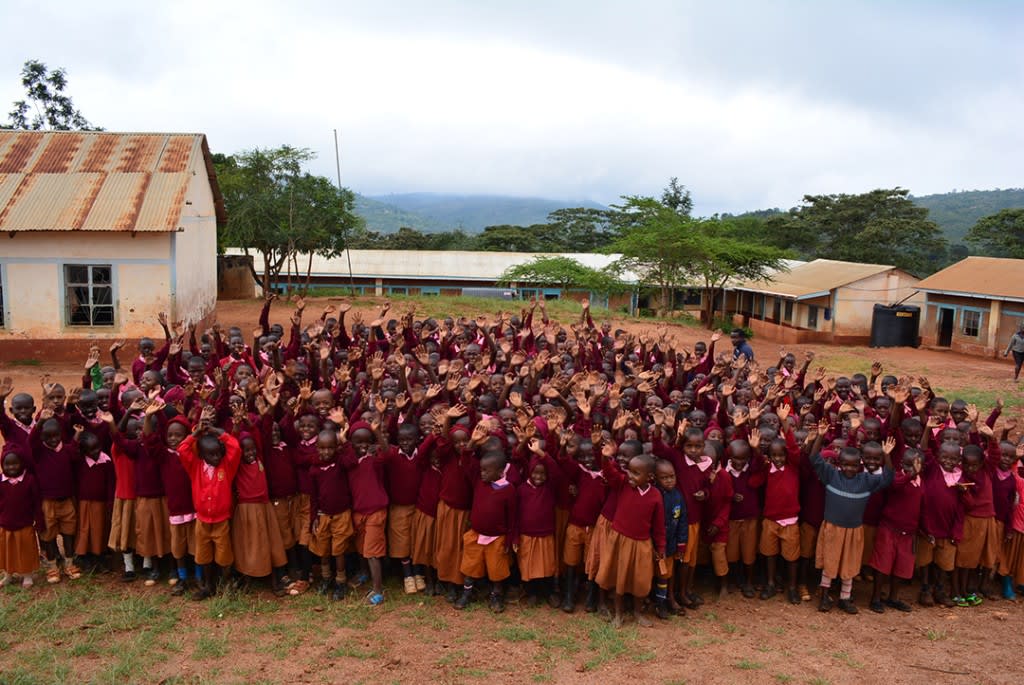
[(348, 251)]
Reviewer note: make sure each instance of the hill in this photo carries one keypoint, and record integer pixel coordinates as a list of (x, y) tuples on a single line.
[(387, 218), (958, 211), (473, 213)]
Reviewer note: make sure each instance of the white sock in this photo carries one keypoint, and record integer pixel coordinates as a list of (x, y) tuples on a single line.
[(147, 563), (129, 562)]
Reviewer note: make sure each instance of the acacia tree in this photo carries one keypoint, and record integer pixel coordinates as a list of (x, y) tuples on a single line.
[(563, 272), (279, 211), (47, 107), (1000, 234)]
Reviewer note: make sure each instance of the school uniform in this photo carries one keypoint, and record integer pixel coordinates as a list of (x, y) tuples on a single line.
[(942, 516), (780, 529), (95, 484), (492, 520), (212, 496), (676, 530), (21, 516), (744, 516), (716, 513), (691, 478), (255, 537), (535, 507), (54, 473), (331, 507), (841, 539), (452, 520), (402, 475), (893, 550), (637, 533), (282, 481), (181, 512), (812, 507), (304, 457), (1011, 561), (591, 491), (423, 519), (981, 542), (122, 517), (152, 524)]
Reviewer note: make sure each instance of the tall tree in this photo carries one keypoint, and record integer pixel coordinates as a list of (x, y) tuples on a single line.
[(277, 210), (676, 197), (563, 272), (1000, 234), (47, 106), (881, 226)]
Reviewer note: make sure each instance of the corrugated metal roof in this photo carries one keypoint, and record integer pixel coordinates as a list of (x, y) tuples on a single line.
[(435, 264), (99, 181), (813, 278), (988, 277)]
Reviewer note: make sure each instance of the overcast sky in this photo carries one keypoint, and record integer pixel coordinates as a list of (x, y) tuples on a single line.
[(751, 104)]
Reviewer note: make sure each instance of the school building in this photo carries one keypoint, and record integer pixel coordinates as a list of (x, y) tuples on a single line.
[(101, 231), (822, 301), (442, 272), (973, 306)]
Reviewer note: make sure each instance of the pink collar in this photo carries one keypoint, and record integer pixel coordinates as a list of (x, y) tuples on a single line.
[(643, 491), (12, 481), (772, 468), (102, 459), (704, 464), (951, 477), (736, 472), (1003, 475), (19, 424)]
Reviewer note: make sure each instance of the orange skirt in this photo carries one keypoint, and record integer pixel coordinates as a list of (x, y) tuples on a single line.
[(839, 553), (256, 539), (1011, 561), (283, 513), (561, 523), (536, 557), (122, 525), (627, 565), (19, 551), (422, 538), (400, 530), (92, 527), (449, 527), (597, 541), (152, 527)]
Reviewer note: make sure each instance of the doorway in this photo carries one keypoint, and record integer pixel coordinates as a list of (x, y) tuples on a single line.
[(946, 316)]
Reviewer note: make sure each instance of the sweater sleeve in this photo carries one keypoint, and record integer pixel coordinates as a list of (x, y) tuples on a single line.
[(658, 524)]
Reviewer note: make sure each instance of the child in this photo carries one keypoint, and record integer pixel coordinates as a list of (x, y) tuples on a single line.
[(676, 533), (1012, 560), (403, 469), (591, 491), (361, 458), (1009, 563), (122, 517), (892, 555), (780, 532), (422, 529), (942, 516), (637, 537), (52, 465), (152, 522), (255, 538), (492, 520), (181, 511), (841, 539), (535, 539), (21, 516), (211, 458), (456, 494), (717, 508), (94, 481), (331, 507), (15, 428), (978, 551)]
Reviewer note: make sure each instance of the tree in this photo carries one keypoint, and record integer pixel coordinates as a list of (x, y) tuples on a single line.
[(279, 211), (563, 272), (1000, 234), (880, 226), (677, 198), (47, 107)]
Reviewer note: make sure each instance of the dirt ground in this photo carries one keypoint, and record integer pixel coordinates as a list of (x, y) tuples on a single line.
[(101, 630)]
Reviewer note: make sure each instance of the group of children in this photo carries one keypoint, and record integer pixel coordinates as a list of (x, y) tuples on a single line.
[(575, 461)]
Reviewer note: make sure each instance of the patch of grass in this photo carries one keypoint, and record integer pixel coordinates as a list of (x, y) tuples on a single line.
[(748, 665), (353, 651), (776, 630), (730, 627), (609, 644), (705, 642), (472, 672), (210, 647), (783, 678), (514, 633), (235, 603), (710, 616), (847, 659), (542, 677), (451, 657), (936, 635), (563, 641), (644, 657), (24, 362), (819, 681)]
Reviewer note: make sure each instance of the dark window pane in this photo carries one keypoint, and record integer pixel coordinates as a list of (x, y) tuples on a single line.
[(103, 316), (78, 316), (102, 295), (76, 274), (101, 274)]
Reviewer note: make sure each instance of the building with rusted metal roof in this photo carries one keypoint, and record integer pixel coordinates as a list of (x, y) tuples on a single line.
[(974, 306), (824, 300), (101, 231)]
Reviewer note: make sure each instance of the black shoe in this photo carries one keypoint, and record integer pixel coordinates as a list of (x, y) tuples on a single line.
[(661, 609), (452, 595), (748, 591), (590, 604), (768, 592), (569, 601), (793, 596), (202, 593), (497, 602), (129, 577), (325, 587), (826, 603), (898, 605), (848, 606), (339, 591), (464, 599), (179, 589), (876, 606), (695, 599)]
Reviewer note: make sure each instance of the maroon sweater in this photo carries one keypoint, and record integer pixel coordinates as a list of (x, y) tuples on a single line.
[(781, 486), (640, 514), (812, 492), (536, 505), (494, 509), (303, 454), (146, 453), (365, 479), (15, 433), (978, 499), (95, 482), (403, 474), (942, 511), (21, 503), (331, 494), (689, 479), (177, 485), (53, 468), (744, 484), (430, 491), (456, 487), (903, 499), (591, 491)]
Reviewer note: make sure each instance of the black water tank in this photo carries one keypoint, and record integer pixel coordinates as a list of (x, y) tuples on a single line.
[(895, 326)]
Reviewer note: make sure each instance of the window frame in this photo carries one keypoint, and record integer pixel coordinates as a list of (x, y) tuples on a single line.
[(788, 311), (964, 324), (67, 284), (812, 309)]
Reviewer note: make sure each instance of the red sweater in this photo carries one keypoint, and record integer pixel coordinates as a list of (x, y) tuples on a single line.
[(251, 483), (942, 511), (494, 509), (53, 468), (903, 499), (536, 506), (211, 492), (21, 503), (782, 489), (719, 504), (95, 482), (331, 494), (124, 474), (145, 453), (430, 491), (365, 479), (14, 432), (689, 478), (978, 499), (403, 473), (640, 514), (456, 488), (177, 484), (591, 491)]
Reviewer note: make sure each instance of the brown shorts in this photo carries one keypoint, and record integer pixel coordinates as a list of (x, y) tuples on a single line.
[(980, 544), (122, 525), (942, 553), (370, 539), (776, 539), (719, 560), (213, 543), (283, 514), (576, 542), (61, 518), (742, 543), (869, 541), (692, 542), (808, 540), (484, 561), (331, 534), (400, 530), (183, 539)]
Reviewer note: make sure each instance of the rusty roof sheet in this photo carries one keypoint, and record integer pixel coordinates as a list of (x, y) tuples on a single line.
[(986, 277), (99, 181), (813, 278)]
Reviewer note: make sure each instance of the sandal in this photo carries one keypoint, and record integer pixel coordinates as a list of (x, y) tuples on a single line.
[(805, 595), (298, 587), (53, 574), (374, 598), (71, 570)]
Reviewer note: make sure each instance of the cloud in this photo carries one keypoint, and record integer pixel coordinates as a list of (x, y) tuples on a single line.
[(749, 104)]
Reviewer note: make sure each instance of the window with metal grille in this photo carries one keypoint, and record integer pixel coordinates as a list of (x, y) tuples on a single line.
[(88, 295), (971, 323)]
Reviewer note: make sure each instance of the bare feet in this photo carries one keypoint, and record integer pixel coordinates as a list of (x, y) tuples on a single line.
[(617, 621), (643, 621)]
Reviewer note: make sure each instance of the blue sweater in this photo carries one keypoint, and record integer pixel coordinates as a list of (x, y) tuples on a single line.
[(677, 530), (846, 498)]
